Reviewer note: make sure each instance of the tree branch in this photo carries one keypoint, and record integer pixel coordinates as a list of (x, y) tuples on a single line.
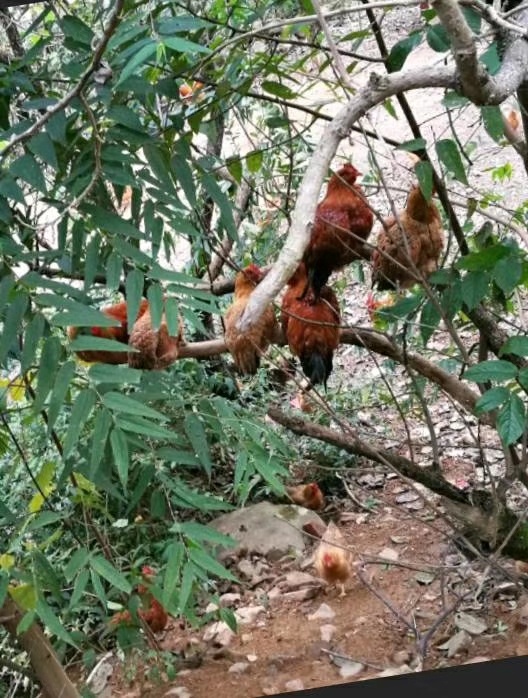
[(63, 103)]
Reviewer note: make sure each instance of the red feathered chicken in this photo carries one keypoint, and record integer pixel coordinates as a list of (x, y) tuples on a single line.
[(416, 240), (311, 328), (151, 612), (156, 349), (343, 222), (118, 333), (246, 348), (308, 496)]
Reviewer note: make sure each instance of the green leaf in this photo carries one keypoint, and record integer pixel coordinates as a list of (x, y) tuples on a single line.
[(79, 559), (155, 299), (28, 169), (140, 58), (491, 399), (87, 343), (491, 59), (138, 425), (523, 378), (429, 320), (82, 407), (507, 273), (159, 163), (278, 89), (42, 146), (235, 168), (492, 370), (105, 373), (91, 264), (209, 564), (424, 174), (492, 120), (123, 403), (112, 223), (438, 38), (188, 578), (32, 337), (119, 443), (515, 345), (114, 267), (82, 316), (223, 203), (12, 323), (203, 534), (135, 282), (449, 156), (74, 28), (62, 383), (198, 438), (176, 43), (511, 420), (254, 161), (474, 287), (106, 570), (399, 52), (79, 587), (53, 624), (483, 260), (473, 19), (45, 571), (413, 145), (102, 424), (175, 552), (49, 365)]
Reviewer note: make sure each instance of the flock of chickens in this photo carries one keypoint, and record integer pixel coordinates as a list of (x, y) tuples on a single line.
[(407, 250)]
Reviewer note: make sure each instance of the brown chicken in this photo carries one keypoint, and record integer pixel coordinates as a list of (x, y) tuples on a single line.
[(308, 496), (333, 563), (343, 222), (246, 348), (313, 343), (151, 612), (119, 334), (421, 244), (156, 348)]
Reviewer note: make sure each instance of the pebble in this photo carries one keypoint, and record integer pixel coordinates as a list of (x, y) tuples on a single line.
[(324, 612), (294, 685), (179, 692), (219, 633), (239, 668), (248, 614), (327, 632)]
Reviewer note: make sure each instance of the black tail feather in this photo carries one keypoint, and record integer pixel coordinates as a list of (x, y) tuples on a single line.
[(317, 367)]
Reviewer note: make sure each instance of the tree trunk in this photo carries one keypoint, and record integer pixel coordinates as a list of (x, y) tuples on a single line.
[(46, 666)]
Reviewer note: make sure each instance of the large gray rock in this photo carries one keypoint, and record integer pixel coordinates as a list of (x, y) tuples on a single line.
[(273, 530)]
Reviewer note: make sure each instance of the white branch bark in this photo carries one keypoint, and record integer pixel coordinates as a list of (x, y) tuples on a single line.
[(379, 88)]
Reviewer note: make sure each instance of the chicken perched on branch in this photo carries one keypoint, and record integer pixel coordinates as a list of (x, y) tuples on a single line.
[(246, 348), (118, 334), (332, 560), (157, 349), (151, 611), (415, 238), (311, 329), (308, 496), (343, 222)]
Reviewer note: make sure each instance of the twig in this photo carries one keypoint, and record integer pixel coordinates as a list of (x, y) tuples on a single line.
[(344, 657), (74, 92)]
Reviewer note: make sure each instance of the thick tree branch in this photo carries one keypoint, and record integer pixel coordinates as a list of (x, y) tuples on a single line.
[(379, 88), (75, 91), (475, 82)]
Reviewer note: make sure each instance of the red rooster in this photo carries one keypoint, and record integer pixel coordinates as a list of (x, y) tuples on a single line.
[(343, 222), (152, 612), (311, 329)]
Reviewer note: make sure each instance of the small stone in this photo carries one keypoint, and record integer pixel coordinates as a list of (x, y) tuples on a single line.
[(401, 657), (211, 607), (219, 634), (294, 685), (248, 614), (229, 600), (296, 580), (324, 612), (245, 638), (389, 554), (179, 692), (477, 660), (301, 594), (238, 668), (251, 658), (327, 632), (269, 690)]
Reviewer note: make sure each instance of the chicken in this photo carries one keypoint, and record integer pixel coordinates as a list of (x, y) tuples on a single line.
[(343, 221), (421, 243), (156, 348), (302, 324), (119, 334), (246, 348), (308, 496), (332, 562), (152, 612)]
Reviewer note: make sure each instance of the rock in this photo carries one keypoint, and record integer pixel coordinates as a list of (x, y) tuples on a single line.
[(248, 614), (252, 658), (401, 657), (301, 594), (100, 674), (211, 607), (219, 634), (229, 600), (389, 554), (470, 623), (327, 632), (179, 692), (245, 638), (296, 580), (239, 668), (269, 690), (265, 528), (294, 685), (349, 669), (324, 612), (477, 660)]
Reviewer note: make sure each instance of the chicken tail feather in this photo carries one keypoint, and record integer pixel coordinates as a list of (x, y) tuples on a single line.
[(317, 367)]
